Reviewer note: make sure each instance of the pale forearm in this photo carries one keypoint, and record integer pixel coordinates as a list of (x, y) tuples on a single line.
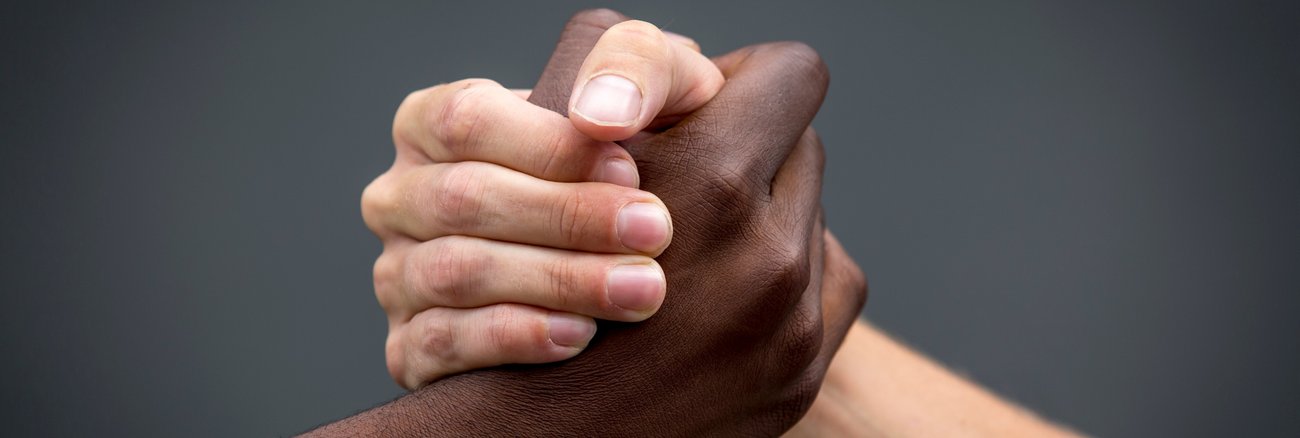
[(877, 387)]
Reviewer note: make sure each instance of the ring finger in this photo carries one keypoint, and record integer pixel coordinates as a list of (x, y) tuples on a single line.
[(467, 272)]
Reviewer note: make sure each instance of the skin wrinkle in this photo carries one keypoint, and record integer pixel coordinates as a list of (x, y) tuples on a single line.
[(440, 344), (565, 218), (383, 272), (408, 153), (715, 377), (563, 281), (498, 330), (554, 143), (589, 221), (459, 119), (441, 278), (457, 198)]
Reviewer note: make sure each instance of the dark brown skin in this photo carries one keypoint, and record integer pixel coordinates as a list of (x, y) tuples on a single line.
[(743, 340)]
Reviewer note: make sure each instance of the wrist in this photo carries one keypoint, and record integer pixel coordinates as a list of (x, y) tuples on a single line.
[(836, 412)]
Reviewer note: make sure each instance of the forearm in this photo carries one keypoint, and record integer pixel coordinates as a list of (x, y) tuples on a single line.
[(878, 387), (520, 401), (451, 407)]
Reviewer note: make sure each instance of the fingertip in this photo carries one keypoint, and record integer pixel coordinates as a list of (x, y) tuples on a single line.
[(619, 171), (569, 331), (644, 227), (624, 81), (637, 289), (607, 107)]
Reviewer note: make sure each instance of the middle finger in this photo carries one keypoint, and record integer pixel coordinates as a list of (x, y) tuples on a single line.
[(489, 201)]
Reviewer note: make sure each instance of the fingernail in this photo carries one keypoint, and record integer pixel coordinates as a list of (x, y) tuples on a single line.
[(618, 171), (570, 330), (609, 100), (643, 226), (635, 287)]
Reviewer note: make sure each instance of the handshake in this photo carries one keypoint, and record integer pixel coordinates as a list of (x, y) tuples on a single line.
[(671, 197)]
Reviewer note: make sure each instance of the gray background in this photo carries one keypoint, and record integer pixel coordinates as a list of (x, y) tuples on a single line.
[(1090, 207)]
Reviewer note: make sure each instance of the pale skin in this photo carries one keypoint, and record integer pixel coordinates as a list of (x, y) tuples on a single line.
[(508, 229)]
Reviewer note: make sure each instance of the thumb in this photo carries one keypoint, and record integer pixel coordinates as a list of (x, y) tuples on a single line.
[(635, 74), (580, 35)]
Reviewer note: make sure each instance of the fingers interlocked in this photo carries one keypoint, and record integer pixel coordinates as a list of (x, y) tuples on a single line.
[(507, 227)]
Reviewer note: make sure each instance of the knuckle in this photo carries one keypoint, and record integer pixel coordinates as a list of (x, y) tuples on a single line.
[(795, 50), (552, 161), (438, 339), (803, 393), (637, 31), (461, 116), (387, 274), (456, 195), (406, 113), (564, 281), (449, 270), (787, 267), (574, 217), (702, 89), (802, 59), (395, 357), (635, 42), (509, 328), (377, 200), (731, 188), (798, 343), (805, 336)]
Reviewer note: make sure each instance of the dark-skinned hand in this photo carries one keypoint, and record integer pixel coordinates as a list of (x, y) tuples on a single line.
[(743, 340)]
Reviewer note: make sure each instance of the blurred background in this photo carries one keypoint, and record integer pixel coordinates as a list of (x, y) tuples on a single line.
[(1093, 208)]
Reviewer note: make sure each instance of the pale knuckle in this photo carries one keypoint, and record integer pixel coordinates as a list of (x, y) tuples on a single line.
[(456, 194), (438, 338), (378, 200), (395, 357), (637, 28), (459, 119), (387, 274), (449, 269), (509, 328), (702, 89), (637, 34), (407, 115)]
